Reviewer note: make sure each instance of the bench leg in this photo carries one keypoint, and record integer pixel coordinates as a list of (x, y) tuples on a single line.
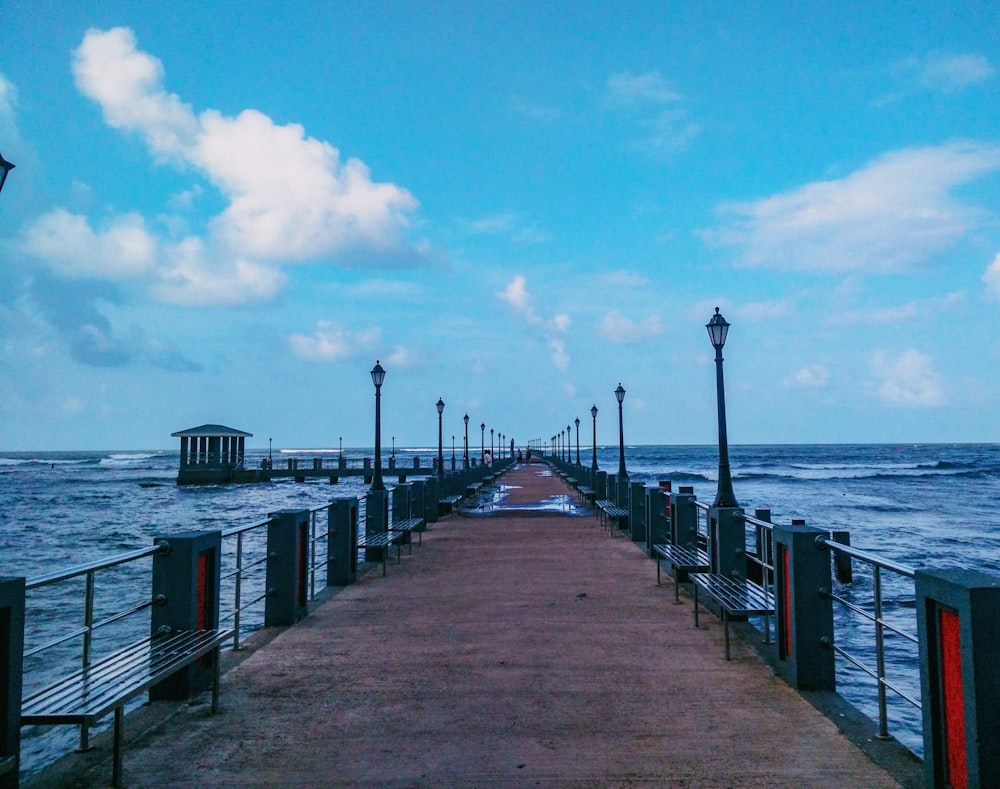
[(725, 625), (696, 605), (385, 550), (216, 675), (116, 762), (657, 570), (677, 586)]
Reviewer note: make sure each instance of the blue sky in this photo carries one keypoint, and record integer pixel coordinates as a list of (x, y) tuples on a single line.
[(226, 212)]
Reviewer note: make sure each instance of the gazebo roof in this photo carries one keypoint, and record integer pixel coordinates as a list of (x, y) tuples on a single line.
[(211, 431)]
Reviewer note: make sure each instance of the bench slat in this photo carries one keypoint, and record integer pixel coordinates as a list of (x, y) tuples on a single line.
[(88, 694)]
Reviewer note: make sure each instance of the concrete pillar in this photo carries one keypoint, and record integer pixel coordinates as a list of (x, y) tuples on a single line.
[(637, 511), (11, 678), (602, 484), (623, 483), (612, 485), (727, 542), (684, 517), (657, 521), (186, 580), (418, 495), (958, 612), (342, 542), (376, 520), (185, 444), (287, 579), (803, 608), (431, 497)]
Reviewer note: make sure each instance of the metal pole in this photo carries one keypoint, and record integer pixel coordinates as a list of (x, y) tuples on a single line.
[(724, 497), (621, 444), (377, 483), (593, 462)]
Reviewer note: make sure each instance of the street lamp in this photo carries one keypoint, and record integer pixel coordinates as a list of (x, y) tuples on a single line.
[(378, 376), (593, 413), (5, 167), (482, 444), (577, 423), (440, 408), (466, 459), (491, 442), (269, 453), (569, 444), (718, 328), (620, 396)]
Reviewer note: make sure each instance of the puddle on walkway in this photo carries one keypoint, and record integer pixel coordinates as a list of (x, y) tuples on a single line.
[(493, 501)]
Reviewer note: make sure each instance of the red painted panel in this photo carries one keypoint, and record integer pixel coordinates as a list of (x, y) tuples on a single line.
[(956, 770), (201, 604)]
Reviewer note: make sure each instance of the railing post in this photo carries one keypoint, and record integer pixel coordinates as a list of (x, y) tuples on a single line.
[(727, 542), (418, 497), (804, 608), (657, 520), (186, 582), (287, 567), (957, 615), (684, 517), (12, 659), (613, 488), (601, 485), (342, 542), (637, 511), (431, 497)]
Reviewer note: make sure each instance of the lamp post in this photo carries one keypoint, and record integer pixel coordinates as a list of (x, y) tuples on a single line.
[(577, 423), (269, 453), (482, 445), (491, 442), (620, 396), (394, 449), (440, 408), (593, 414), (465, 460), (378, 376), (569, 444), (5, 167), (718, 328)]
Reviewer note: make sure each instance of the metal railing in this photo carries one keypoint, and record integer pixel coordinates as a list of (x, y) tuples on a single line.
[(881, 624), (90, 625)]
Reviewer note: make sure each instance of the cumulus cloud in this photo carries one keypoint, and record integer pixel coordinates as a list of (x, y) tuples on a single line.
[(908, 380), (289, 197), (618, 328), (553, 330), (332, 342), (892, 214)]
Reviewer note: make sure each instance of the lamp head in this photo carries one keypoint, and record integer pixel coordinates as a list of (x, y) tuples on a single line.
[(593, 411), (378, 374), (466, 420), (718, 328), (440, 406), (577, 421), (619, 394)]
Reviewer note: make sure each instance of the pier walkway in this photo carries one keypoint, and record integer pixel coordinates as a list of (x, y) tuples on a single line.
[(523, 647)]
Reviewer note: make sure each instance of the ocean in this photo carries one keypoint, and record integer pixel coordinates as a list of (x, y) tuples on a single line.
[(920, 505)]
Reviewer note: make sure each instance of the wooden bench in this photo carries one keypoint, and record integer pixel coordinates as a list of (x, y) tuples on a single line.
[(587, 494), (734, 596), (608, 511), (89, 694), (683, 561), (445, 505)]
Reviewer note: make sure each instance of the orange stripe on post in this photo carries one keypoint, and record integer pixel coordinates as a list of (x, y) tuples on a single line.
[(953, 706)]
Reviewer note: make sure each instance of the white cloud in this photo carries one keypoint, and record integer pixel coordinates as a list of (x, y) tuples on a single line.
[(627, 87), (951, 73), (509, 224), (625, 279), (331, 342), (992, 278), (554, 330), (617, 328), (892, 214), (8, 101), (813, 376), (290, 197), (908, 380), (124, 249)]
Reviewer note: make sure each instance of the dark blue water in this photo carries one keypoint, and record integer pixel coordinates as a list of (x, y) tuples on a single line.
[(920, 505)]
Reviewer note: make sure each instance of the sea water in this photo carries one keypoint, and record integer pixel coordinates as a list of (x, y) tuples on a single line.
[(919, 505)]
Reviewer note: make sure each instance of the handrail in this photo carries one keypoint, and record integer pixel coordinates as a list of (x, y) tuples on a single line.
[(823, 541), (82, 569)]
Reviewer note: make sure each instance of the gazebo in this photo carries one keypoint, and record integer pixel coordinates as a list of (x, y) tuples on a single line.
[(210, 454)]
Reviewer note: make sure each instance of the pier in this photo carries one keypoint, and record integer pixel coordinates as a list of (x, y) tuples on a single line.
[(516, 646)]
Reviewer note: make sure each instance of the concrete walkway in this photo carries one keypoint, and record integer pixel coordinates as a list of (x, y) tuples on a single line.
[(514, 649)]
